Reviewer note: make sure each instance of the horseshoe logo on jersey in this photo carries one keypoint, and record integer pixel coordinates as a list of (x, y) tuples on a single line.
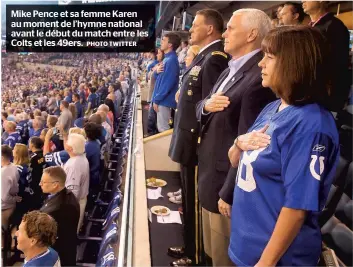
[(312, 166), (248, 184)]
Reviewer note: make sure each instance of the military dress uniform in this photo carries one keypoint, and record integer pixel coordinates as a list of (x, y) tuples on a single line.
[(196, 84)]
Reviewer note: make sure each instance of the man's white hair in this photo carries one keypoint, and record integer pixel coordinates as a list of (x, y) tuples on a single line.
[(77, 142), (255, 19)]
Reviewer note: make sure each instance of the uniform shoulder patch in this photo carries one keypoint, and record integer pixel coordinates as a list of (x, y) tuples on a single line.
[(219, 53)]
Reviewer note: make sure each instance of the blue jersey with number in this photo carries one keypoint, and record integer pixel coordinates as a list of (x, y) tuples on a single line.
[(295, 171), (56, 158)]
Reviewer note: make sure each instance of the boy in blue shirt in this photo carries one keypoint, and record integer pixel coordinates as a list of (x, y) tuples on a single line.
[(166, 86)]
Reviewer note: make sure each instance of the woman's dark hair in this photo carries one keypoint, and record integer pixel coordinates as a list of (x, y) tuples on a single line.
[(110, 104), (4, 114), (92, 130), (301, 75)]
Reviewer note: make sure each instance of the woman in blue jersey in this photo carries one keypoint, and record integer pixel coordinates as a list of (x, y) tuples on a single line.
[(25, 193), (287, 160)]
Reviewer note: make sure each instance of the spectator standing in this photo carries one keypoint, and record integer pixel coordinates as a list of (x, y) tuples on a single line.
[(13, 137), (92, 148), (79, 108), (182, 54), (230, 109), (21, 161), (37, 126), (153, 74), (35, 236), (197, 83), (337, 36), (92, 101), (77, 179), (163, 99), (73, 111), (289, 159), (9, 185), (63, 206), (56, 110), (65, 119), (291, 14), (37, 164)]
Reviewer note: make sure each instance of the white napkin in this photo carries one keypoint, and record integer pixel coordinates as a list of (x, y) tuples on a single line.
[(173, 217), (154, 193)]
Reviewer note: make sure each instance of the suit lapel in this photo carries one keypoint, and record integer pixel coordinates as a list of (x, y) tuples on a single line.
[(220, 80), (240, 73), (233, 81)]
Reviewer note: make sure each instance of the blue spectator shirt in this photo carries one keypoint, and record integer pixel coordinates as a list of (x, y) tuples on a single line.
[(295, 171), (13, 139), (57, 158), (167, 82), (50, 258), (92, 149)]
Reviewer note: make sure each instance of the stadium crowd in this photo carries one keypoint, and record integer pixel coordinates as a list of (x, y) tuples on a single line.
[(244, 109), (56, 128)]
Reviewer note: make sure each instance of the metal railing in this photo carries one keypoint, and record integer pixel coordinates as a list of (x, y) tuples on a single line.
[(127, 220)]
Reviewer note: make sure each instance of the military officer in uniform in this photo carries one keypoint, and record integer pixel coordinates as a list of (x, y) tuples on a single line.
[(197, 82)]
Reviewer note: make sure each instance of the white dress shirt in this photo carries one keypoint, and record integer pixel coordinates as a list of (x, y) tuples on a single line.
[(204, 48), (235, 65)]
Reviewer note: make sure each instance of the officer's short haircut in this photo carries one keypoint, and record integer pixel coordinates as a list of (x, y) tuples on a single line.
[(212, 17)]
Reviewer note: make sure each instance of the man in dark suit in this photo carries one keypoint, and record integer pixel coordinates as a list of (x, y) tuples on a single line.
[(63, 206), (197, 82), (230, 109), (337, 36)]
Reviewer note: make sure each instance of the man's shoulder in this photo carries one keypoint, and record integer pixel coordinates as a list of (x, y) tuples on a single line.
[(219, 53)]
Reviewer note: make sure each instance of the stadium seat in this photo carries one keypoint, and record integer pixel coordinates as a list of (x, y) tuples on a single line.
[(108, 258), (335, 192)]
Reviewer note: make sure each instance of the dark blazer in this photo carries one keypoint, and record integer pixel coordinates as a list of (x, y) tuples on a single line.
[(337, 36), (247, 98), (197, 82), (65, 209)]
